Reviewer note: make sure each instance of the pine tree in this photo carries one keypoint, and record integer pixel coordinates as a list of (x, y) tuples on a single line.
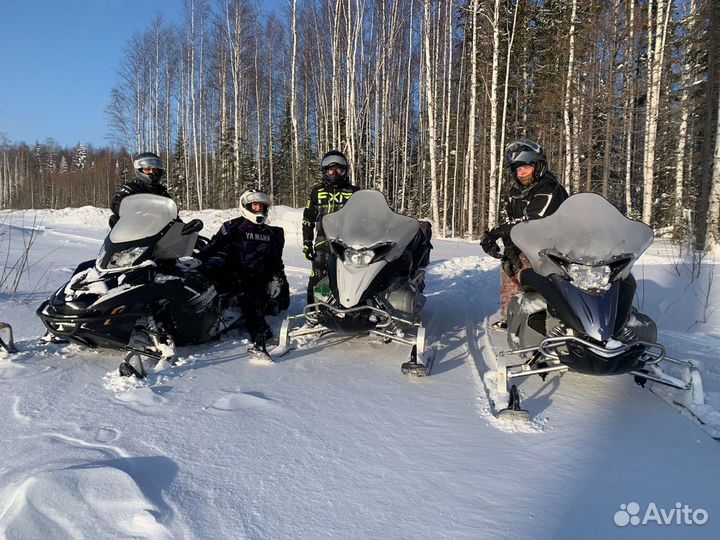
[(79, 158)]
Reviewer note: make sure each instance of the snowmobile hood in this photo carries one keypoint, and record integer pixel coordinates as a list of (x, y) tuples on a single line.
[(586, 229), (142, 216), (366, 220)]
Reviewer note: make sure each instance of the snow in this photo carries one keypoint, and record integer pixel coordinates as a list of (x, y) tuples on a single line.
[(335, 442)]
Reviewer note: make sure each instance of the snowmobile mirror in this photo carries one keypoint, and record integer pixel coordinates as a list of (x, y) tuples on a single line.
[(194, 226)]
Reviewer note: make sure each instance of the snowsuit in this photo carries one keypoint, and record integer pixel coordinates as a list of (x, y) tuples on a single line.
[(243, 258), (538, 200), (323, 199), (133, 188)]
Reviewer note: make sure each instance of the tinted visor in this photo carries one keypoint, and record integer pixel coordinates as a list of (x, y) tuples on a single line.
[(149, 163)]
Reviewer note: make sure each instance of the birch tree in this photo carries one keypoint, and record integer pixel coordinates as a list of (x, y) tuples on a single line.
[(657, 32)]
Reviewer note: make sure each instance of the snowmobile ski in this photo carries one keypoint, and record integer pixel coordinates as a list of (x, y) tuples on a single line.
[(513, 411), (132, 366), (6, 338)]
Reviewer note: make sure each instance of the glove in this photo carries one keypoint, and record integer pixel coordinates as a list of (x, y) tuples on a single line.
[(214, 262), (275, 286), (511, 262), (308, 250), (489, 243)]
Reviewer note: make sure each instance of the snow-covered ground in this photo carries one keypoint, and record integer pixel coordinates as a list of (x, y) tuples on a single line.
[(335, 442)]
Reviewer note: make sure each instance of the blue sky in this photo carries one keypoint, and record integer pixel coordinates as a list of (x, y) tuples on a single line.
[(58, 63)]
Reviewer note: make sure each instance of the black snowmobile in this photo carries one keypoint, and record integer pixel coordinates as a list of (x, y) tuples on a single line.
[(146, 293), (576, 312), (374, 282)]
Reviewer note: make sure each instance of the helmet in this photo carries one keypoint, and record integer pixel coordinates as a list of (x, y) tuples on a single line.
[(148, 160), (254, 196), (334, 159), (526, 152)]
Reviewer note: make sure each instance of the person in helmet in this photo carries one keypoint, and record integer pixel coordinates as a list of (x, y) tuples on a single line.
[(326, 197), (149, 172), (534, 193), (244, 258)]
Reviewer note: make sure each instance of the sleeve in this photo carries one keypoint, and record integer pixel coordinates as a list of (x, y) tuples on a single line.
[(279, 245), (217, 244), (309, 216), (124, 191), (544, 203)]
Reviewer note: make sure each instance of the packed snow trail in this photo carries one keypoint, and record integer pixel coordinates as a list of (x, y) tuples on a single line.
[(334, 442)]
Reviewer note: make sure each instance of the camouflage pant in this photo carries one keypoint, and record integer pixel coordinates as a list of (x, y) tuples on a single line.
[(510, 286)]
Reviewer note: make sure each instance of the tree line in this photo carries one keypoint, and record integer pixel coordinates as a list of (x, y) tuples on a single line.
[(422, 96)]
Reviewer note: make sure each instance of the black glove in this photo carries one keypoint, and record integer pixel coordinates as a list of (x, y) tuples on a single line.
[(214, 263), (308, 250), (489, 243), (511, 262)]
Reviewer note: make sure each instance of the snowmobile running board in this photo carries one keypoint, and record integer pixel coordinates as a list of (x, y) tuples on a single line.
[(6, 338)]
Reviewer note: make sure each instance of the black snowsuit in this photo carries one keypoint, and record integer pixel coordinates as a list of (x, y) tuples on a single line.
[(243, 258), (323, 199), (133, 188), (538, 200)]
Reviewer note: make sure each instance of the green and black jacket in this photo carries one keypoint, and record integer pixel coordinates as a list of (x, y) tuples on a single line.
[(323, 199)]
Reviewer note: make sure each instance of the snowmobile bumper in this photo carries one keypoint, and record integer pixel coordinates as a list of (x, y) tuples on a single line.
[(326, 319), (583, 356), (80, 329)]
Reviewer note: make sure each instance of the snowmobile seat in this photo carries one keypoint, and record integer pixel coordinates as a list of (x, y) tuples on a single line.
[(530, 280), (420, 245)]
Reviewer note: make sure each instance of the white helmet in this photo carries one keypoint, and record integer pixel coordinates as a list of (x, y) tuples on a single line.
[(254, 196)]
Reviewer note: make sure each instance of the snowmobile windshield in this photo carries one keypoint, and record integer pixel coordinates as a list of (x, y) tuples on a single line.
[(142, 216), (366, 221), (586, 230)]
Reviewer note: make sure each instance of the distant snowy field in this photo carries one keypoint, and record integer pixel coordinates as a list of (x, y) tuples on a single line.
[(335, 442)]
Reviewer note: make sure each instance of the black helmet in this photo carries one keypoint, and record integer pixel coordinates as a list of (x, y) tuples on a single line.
[(254, 196), (526, 152), (332, 160), (148, 160)]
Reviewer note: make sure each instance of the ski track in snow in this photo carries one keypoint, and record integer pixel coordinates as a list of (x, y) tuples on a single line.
[(334, 442)]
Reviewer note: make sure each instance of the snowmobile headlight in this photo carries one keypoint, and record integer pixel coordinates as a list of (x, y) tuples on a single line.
[(126, 257), (589, 277), (358, 259)]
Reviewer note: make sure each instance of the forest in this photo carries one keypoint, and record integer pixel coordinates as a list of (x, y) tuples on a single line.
[(421, 95)]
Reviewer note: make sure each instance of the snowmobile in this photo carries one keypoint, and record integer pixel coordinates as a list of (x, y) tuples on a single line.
[(374, 283), (576, 311), (145, 294)]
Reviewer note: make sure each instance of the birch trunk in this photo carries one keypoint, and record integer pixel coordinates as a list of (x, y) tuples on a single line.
[(656, 40), (470, 161), (430, 98), (571, 178), (629, 108), (712, 234), (683, 128), (295, 167), (492, 177)]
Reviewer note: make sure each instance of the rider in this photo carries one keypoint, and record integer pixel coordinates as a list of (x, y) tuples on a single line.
[(327, 197), (245, 258), (533, 194), (149, 172)]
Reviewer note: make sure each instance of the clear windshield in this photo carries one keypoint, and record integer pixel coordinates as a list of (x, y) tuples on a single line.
[(142, 216), (367, 220), (585, 229)]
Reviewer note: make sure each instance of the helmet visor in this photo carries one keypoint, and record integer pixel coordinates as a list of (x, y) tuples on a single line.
[(149, 163)]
